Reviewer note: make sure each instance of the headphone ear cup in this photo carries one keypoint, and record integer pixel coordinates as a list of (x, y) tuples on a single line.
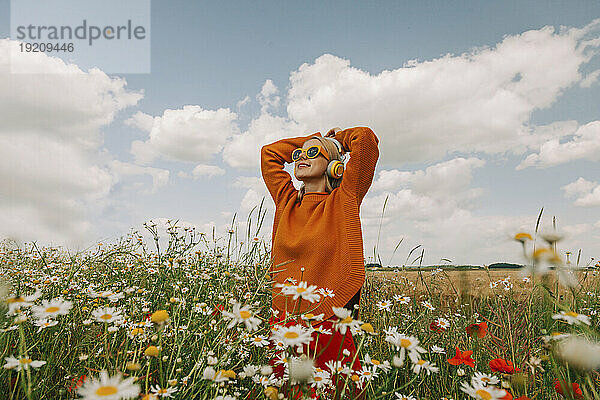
[(335, 169)]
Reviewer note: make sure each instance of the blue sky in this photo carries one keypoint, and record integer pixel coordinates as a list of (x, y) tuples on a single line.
[(454, 126)]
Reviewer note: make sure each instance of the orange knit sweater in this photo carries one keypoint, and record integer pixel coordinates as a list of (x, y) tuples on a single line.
[(322, 233)]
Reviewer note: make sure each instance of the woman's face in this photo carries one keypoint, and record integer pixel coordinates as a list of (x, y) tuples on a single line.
[(316, 166)]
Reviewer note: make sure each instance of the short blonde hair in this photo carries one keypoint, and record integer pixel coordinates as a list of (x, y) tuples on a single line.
[(334, 154)]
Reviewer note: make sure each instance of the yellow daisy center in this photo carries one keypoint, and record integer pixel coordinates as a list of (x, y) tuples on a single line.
[(25, 360), (571, 314), (347, 320), (106, 316), (52, 309), (245, 314), (318, 378), (290, 335), (375, 362), (421, 362), (106, 391), (161, 391), (309, 315), (15, 300), (485, 379), (484, 394), (300, 290), (405, 342)]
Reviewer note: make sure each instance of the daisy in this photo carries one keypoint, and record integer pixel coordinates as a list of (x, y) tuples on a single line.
[(295, 335), (572, 317), (322, 331), (320, 378), (478, 391), (45, 323), (428, 305), (107, 314), (260, 341), (22, 363), (345, 320), (419, 364), (438, 350), (405, 344), (365, 374), (302, 290), (326, 292), (312, 317), (105, 388), (15, 303), (402, 299), (166, 392), (242, 314), (52, 308), (385, 366), (384, 305), (337, 367), (485, 379), (400, 396)]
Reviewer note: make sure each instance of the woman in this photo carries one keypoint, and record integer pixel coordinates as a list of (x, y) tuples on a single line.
[(317, 235)]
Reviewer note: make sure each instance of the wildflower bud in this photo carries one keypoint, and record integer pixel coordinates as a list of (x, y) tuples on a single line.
[(460, 372), (160, 316), (154, 338), (133, 366), (272, 393), (165, 358), (266, 370), (172, 382), (179, 360), (151, 351), (178, 370), (396, 361), (346, 352)]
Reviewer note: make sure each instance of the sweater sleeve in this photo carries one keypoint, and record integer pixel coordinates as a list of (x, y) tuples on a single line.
[(363, 144), (273, 158)]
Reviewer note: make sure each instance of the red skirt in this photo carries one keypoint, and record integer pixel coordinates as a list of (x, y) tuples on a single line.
[(328, 348)]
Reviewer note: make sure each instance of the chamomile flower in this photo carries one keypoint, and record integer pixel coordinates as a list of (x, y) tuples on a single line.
[(405, 344), (485, 379), (15, 303), (242, 315), (427, 305), (163, 392), (400, 396), (52, 308), (22, 363), (108, 388), (45, 323), (438, 350), (294, 335), (302, 290), (572, 318), (320, 378), (345, 320), (384, 305), (402, 299), (480, 392), (420, 364), (107, 314), (260, 341)]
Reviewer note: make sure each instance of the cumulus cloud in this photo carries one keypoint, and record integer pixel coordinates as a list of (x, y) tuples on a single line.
[(585, 145), (189, 134), (478, 101), (267, 97), (160, 177), (587, 193), (54, 173), (207, 170)]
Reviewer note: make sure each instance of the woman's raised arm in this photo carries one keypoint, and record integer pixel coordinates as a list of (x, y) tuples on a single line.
[(362, 144), (272, 160)]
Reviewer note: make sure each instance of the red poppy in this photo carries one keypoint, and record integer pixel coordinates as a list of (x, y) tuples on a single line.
[(479, 329), (508, 396), (218, 309), (503, 366), (435, 327), (462, 358), (77, 383), (523, 398), (562, 386)]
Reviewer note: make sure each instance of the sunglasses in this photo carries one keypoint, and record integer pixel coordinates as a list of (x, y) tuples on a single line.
[(311, 152)]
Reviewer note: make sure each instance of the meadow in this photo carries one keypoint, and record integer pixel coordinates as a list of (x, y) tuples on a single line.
[(191, 321)]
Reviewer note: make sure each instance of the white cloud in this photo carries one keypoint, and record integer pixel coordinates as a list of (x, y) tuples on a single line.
[(479, 101), (190, 134), (267, 97), (209, 171), (54, 175), (160, 177), (587, 193), (584, 145)]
